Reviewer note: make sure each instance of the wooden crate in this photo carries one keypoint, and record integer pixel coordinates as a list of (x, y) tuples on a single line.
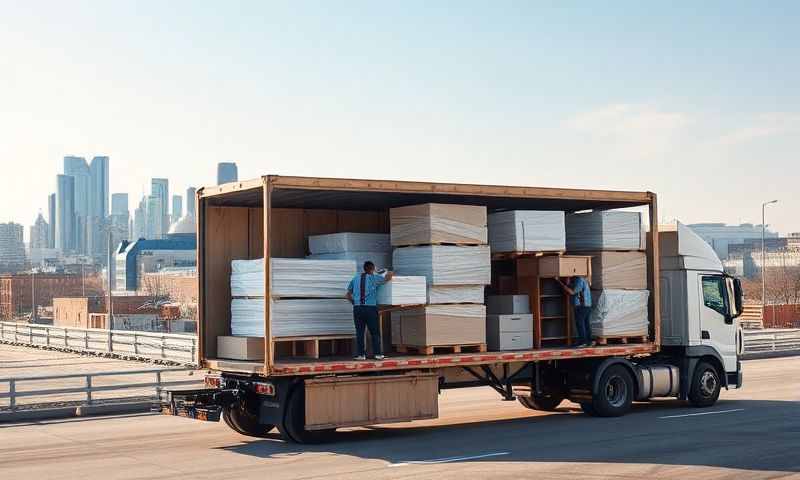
[(335, 402), (565, 266)]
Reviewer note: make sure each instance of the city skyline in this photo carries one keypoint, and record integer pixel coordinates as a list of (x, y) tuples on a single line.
[(637, 98)]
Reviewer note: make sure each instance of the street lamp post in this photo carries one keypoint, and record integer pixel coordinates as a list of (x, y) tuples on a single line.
[(763, 254)]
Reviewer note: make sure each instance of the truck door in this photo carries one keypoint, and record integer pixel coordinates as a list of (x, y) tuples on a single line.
[(717, 325)]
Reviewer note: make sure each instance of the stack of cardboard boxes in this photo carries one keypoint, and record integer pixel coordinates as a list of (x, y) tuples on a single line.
[(446, 244)]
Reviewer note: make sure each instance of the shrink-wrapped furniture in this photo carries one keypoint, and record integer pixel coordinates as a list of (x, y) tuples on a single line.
[(349, 242), (293, 277), (292, 317), (445, 264), (527, 231), (605, 230), (403, 291), (433, 223), (619, 313)]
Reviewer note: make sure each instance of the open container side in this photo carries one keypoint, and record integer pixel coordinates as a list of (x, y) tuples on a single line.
[(233, 219)]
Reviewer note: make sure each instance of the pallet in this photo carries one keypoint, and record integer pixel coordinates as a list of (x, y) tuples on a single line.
[(516, 255), (313, 347), (622, 340), (432, 349), (440, 244)]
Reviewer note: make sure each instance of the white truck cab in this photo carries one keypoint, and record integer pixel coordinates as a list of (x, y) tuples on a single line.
[(699, 307)]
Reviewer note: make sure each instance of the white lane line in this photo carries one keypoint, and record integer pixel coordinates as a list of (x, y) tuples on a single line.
[(703, 413), (447, 460)]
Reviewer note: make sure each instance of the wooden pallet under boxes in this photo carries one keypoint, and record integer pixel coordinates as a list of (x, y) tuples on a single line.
[(240, 348), (434, 223), (439, 325)]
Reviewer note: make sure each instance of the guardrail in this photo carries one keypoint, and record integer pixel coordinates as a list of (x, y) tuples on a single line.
[(151, 345), (771, 341), (90, 387)]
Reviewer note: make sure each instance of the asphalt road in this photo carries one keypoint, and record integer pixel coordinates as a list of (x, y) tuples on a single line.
[(751, 433)]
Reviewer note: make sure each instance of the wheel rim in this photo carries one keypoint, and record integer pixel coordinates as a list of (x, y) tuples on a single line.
[(616, 391), (708, 383)]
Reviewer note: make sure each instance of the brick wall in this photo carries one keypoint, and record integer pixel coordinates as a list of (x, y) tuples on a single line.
[(16, 294)]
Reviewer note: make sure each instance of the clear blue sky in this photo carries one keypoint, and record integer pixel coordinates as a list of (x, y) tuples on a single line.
[(696, 101)]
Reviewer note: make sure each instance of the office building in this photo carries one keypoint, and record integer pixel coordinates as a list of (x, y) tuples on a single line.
[(159, 187), (12, 248), (154, 214), (139, 225), (177, 208), (97, 244), (51, 219), (65, 214), (120, 227), (227, 172), (191, 192), (39, 233), (78, 169), (134, 259)]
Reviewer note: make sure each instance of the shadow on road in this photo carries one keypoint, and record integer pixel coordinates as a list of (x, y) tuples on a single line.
[(744, 434)]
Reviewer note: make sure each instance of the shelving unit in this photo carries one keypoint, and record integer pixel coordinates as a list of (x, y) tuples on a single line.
[(552, 320)]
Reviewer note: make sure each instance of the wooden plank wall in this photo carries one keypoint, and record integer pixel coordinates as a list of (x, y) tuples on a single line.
[(234, 233), (293, 226)]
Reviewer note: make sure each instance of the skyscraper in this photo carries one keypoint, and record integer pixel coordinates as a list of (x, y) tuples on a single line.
[(190, 194), (77, 168), (159, 187), (140, 220), (177, 208), (120, 217), (51, 218), (227, 172), (39, 233), (154, 228), (12, 248), (65, 213), (97, 245)]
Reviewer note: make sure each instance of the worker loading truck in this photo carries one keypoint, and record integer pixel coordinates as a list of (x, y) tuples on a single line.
[(478, 297)]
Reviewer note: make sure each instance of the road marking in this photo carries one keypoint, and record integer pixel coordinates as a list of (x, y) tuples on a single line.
[(703, 413), (447, 460)]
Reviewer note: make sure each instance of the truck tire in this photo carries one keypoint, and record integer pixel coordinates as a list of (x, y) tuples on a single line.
[(545, 403), (242, 421), (588, 408), (706, 385), (293, 428), (614, 393)]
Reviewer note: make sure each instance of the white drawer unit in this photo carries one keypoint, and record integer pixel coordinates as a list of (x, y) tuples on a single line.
[(509, 332)]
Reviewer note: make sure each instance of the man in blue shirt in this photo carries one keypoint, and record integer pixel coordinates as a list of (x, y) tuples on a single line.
[(578, 289), (363, 292)]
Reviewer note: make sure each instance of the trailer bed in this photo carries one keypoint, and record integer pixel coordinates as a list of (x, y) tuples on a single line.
[(310, 367)]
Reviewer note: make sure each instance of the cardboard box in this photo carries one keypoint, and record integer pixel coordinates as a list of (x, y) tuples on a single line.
[(508, 304), (431, 223), (440, 325), (240, 348), (619, 270), (565, 266)]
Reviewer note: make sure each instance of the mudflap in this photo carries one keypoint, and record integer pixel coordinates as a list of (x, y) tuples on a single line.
[(204, 404)]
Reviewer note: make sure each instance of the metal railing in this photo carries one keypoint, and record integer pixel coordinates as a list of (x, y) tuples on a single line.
[(13, 392), (162, 346), (771, 340)]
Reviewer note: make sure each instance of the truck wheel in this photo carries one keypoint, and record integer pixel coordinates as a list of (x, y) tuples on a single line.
[(614, 393), (241, 421), (545, 403), (706, 385), (293, 428)]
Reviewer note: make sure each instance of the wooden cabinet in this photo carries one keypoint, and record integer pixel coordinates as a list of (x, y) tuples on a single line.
[(565, 266)]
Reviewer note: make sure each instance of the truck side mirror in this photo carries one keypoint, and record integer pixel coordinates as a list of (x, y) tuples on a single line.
[(737, 295)]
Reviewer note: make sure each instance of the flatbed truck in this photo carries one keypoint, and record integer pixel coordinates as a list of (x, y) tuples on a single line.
[(691, 351)]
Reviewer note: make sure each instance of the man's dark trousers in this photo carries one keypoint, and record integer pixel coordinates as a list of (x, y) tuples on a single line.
[(582, 324), (366, 317)]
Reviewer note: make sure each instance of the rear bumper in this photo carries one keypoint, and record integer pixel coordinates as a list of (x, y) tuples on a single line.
[(201, 404)]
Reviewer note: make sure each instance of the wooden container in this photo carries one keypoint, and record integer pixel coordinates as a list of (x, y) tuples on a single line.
[(565, 266), (353, 401)]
